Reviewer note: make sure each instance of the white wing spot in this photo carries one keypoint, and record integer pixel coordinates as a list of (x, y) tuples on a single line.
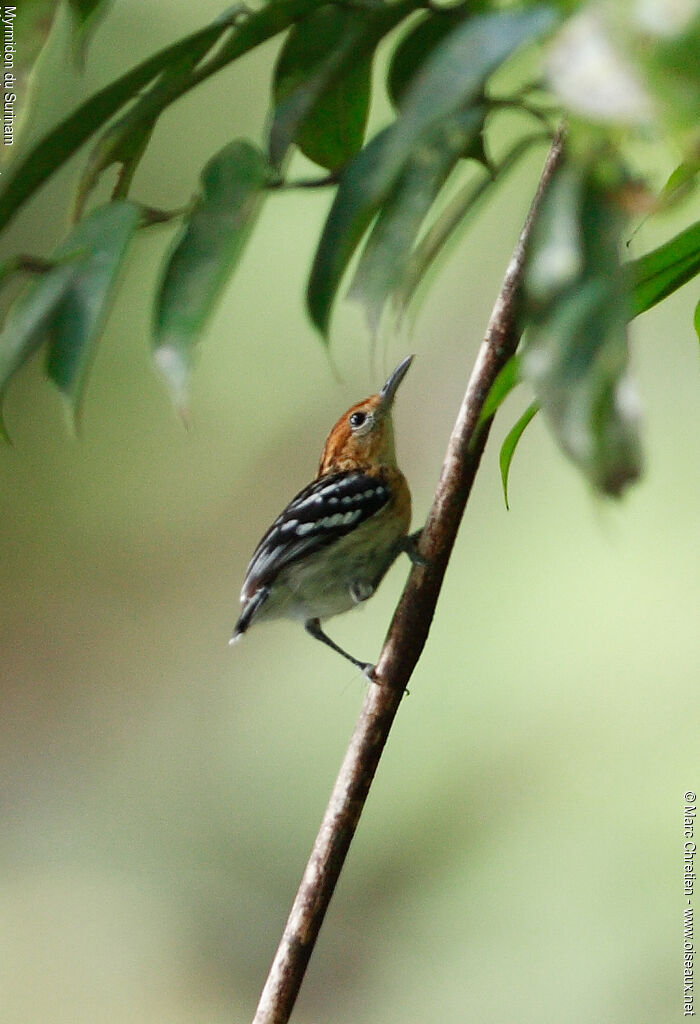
[(310, 499), (304, 528), (329, 522)]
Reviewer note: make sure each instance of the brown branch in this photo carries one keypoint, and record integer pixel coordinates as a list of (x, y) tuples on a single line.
[(405, 641)]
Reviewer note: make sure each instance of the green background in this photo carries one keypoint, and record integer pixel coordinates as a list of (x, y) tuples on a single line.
[(521, 852)]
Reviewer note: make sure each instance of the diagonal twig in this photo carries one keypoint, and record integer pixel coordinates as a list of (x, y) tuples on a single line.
[(404, 643)]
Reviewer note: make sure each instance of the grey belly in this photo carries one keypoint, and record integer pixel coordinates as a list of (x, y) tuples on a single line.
[(329, 582)]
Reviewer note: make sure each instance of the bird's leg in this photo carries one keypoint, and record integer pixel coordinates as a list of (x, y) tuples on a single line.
[(313, 628), (409, 544)]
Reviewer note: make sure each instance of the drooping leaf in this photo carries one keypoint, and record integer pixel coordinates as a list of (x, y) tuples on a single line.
[(66, 304), (86, 16), (696, 320), (83, 11), (388, 247), (511, 443), (25, 177), (660, 272), (450, 80), (454, 74), (204, 256), (322, 80), (124, 142), (419, 42), (575, 353), (121, 144), (321, 85), (77, 322), (26, 324), (28, 174), (25, 30), (454, 217), (362, 189)]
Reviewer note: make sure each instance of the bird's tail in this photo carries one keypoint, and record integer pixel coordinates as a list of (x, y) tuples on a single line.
[(250, 610)]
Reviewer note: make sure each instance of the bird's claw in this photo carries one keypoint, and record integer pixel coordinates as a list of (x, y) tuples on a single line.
[(410, 546)]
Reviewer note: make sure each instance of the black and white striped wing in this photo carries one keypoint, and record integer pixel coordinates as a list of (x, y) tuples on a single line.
[(325, 511)]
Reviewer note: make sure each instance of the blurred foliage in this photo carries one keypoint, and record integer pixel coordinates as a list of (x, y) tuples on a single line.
[(66, 304), (159, 792), (204, 255), (617, 72), (576, 352), (24, 38)]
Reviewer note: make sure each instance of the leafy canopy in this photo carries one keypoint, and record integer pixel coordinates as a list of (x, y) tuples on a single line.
[(616, 72)]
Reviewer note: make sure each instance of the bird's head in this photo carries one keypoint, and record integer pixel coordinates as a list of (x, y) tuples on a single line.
[(364, 436)]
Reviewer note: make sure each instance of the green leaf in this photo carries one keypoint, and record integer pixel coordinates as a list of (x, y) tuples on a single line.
[(77, 322), (454, 74), (204, 257), (321, 86), (507, 379), (511, 443), (322, 80), (660, 272), (681, 182), (388, 248), (696, 320), (27, 175), (27, 321), (557, 256), (673, 71), (23, 265), (125, 141), (124, 144), (575, 353), (24, 37), (419, 42), (451, 79), (66, 305), (358, 197), (82, 11), (455, 216), (414, 49), (86, 16)]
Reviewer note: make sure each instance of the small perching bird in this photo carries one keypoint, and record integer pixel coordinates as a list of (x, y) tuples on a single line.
[(334, 542)]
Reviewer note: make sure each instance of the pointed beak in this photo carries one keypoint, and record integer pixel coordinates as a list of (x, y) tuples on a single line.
[(390, 388)]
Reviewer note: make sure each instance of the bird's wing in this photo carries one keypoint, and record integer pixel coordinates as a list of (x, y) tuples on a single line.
[(326, 510)]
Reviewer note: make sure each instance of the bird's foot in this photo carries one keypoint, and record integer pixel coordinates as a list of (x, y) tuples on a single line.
[(410, 546)]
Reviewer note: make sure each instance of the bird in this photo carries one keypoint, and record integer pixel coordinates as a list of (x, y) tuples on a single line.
[(332, 545)]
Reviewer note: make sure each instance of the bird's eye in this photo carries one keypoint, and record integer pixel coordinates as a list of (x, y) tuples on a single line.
[(358, 419)]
